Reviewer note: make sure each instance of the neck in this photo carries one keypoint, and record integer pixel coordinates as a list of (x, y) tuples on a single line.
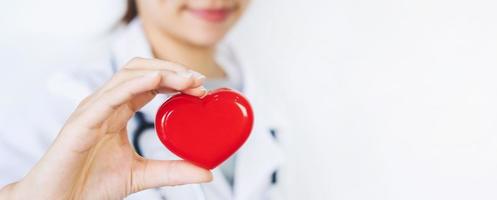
[(197, 58)]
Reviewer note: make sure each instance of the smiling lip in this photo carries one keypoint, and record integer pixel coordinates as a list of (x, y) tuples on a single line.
[(211, 15)]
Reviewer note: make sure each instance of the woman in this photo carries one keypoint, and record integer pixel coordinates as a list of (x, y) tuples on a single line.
[(90, 159)]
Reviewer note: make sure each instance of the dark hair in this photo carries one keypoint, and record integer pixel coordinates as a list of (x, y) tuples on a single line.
[(131, 12)]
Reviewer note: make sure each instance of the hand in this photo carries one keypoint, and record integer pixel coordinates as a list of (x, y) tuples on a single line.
[(91, 157)]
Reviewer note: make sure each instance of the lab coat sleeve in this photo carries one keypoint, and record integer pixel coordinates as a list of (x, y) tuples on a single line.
[(30, 126)]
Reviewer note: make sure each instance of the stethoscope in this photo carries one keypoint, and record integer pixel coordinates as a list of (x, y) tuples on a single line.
[(143, 125)]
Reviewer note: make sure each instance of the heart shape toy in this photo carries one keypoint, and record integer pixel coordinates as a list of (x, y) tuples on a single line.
[(205, 131)]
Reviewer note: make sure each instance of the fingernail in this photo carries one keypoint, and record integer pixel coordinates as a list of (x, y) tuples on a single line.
[(202, 88), (185, 74), (197, 75)]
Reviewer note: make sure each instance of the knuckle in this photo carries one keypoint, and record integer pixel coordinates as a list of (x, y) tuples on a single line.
[(84, 101), (134, 62), (122, 74), (137, 60), (118, 75)]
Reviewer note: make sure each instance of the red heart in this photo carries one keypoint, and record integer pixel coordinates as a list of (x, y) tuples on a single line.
[(205, 131)]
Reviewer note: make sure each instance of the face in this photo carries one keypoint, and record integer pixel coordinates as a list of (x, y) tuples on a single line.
[(197, 22)]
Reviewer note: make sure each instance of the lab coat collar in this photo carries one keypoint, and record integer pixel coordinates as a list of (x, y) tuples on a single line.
[(258, 158), (130, 42)]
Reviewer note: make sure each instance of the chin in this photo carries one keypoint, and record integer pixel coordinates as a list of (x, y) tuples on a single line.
[(206, 39)]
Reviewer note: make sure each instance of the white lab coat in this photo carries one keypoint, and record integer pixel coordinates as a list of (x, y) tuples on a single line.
[(23, 141)]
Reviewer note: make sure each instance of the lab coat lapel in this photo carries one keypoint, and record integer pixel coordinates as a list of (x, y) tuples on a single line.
[(260, 156)]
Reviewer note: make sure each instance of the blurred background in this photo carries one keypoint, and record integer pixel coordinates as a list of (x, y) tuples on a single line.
[(385, 99)]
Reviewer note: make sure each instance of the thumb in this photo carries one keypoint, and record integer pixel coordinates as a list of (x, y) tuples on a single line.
[(158, 173)]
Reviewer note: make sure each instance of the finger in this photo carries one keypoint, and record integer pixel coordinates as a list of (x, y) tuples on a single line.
[(198, 91), (170, 82), (108, 102), (156, 64), (158, 173), (144, 63), (179, 81), (140, 66), (176, 81)]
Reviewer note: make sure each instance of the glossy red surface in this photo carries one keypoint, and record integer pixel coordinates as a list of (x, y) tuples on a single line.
[(205, 131)]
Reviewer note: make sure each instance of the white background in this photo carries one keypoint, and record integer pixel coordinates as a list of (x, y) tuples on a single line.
[(387, 99)]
